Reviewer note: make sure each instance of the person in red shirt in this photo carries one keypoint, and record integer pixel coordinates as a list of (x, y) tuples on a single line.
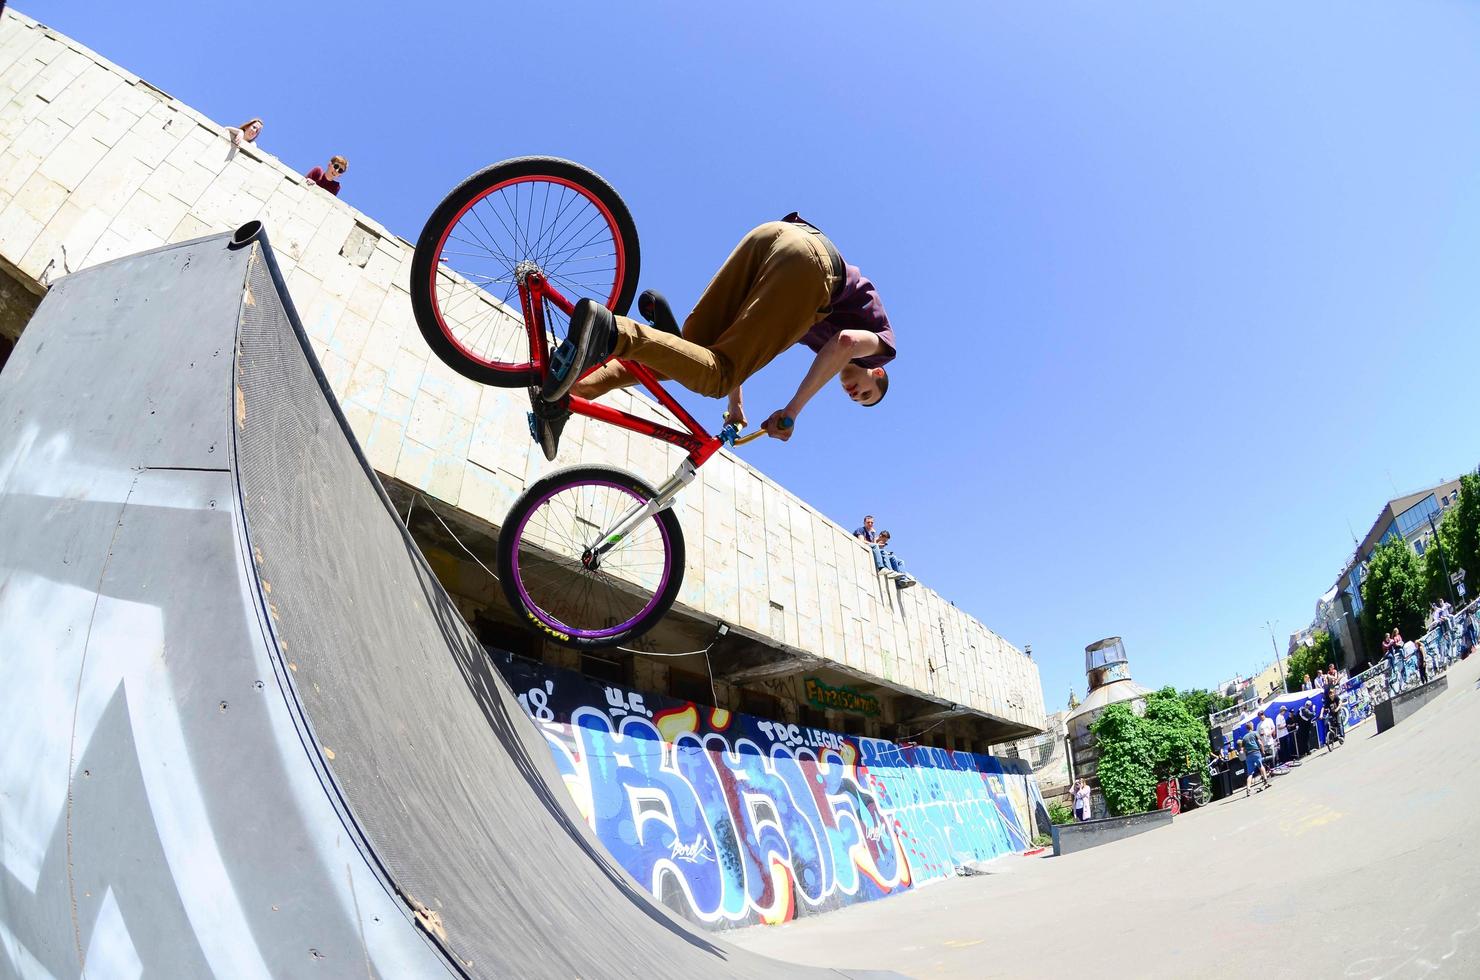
[(328, 181)]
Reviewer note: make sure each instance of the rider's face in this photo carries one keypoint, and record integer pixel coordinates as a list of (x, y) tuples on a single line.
[(860, 384)]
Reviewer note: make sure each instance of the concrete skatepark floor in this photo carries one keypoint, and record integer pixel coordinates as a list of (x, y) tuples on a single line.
[(1361, 863)]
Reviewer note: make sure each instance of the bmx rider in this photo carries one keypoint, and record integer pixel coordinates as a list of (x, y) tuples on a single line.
[(784, 284)]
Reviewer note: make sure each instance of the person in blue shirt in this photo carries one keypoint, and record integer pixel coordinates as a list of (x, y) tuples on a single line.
[(1253, 760)]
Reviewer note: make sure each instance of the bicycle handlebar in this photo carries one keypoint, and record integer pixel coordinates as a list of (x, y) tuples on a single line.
[(730, 434)]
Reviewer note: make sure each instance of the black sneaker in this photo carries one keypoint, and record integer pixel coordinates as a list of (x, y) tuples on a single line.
[(590, 341), (904, 581), (546, 422)]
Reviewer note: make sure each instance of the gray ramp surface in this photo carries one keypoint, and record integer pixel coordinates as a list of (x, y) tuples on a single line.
[(247, 733)]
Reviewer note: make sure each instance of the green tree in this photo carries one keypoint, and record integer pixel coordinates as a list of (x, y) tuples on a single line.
[(1138, 751), (1179, 742), (1125, 769), (1393, 593), (1458, 542), (1463, 551), (1200, 704), (1308, 660)]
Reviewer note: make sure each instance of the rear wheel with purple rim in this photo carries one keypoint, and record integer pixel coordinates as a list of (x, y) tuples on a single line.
[(553, 578)]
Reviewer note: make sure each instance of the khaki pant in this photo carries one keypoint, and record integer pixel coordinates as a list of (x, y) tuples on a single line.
[(768, 294)]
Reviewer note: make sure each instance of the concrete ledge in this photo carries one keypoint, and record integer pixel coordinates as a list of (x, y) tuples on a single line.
[(1071, 837), (1395, 709)]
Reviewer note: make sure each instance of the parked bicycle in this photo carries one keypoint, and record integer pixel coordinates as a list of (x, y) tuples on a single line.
[(1178, 797), (592, 556)]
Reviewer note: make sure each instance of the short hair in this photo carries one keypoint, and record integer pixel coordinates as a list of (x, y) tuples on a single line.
[(883, 388), (885, 534), (341, 161)]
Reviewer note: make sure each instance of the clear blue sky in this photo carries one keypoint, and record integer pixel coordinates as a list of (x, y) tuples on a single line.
[(1181, 290)]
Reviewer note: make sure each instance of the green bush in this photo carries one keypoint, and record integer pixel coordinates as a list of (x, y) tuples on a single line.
[(1126, 769), (1060, 812), (1137, 752), (1043, 840)]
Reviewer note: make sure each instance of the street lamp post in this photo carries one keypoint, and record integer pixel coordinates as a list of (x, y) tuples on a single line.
[(1278, 662), (1443, 562)]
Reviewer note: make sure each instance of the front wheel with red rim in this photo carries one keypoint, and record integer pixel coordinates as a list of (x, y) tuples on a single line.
[(528, 214), (561, 584)]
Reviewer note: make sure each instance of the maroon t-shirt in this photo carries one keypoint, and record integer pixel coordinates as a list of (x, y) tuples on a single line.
[(856, 307), (317, 176)]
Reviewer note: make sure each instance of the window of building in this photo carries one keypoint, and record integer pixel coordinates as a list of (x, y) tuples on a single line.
[(811, 717), (514, 639), (605, 669), (760, 704), (853, 725), (687, 685), (1416, 516)]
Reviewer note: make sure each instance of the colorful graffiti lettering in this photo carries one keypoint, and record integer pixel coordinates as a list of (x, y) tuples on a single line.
[(734, 820)]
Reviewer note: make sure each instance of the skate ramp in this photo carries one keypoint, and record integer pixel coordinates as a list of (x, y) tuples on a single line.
[(248, 733)]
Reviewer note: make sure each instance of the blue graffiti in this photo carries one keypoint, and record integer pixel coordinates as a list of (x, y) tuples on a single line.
[(733, 820)]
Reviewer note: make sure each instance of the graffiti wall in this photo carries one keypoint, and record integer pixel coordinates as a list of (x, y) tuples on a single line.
[(734, 820)]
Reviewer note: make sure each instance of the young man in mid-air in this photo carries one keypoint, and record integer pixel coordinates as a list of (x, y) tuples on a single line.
[(784, 284)]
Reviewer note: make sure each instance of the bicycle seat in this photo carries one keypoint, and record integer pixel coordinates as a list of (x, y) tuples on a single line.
[(656, 311)]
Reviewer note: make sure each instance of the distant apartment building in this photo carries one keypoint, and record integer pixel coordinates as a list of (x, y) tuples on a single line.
[(1408, 517)]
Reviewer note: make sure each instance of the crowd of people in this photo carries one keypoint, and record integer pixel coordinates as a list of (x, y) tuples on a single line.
[(326, 177), (1278, 738), (885, 560)]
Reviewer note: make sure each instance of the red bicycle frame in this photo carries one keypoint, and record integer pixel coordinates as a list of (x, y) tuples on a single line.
[(700, 445)]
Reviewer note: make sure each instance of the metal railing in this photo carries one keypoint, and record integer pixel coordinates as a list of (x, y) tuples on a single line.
[(1440, 647)]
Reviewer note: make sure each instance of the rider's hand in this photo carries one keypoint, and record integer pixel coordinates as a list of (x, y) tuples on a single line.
[(736, 415), (773, 427)]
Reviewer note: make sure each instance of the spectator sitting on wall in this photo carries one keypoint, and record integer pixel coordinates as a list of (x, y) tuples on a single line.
[(867, 533), (886, 562), (245, 133), (329, 180), (1081, 800)]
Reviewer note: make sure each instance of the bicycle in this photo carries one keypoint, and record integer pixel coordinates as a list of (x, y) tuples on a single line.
[(591, 556), (1184, 797)]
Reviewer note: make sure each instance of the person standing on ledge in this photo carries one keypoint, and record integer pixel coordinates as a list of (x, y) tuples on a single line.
[(329, 180), (784, 284)]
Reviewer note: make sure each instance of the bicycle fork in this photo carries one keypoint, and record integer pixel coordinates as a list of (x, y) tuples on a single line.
[(633, 518)]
